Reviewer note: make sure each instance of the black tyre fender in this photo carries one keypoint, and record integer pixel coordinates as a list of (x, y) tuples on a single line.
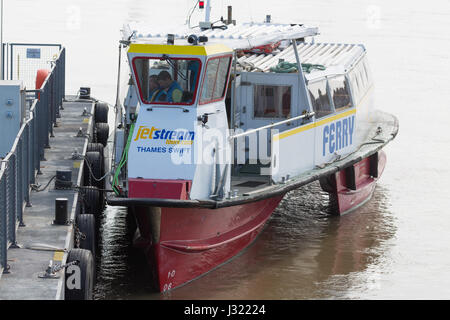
[(86, 225), (79, 282), (98, 147), (101, 133), (95, 146), (91, 198), (101, 112), (328, 183), (93, 168)]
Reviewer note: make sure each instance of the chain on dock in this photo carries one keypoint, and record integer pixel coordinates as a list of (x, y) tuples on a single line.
[(52, 270)]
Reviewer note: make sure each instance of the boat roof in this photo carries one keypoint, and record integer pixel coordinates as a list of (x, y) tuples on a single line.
[(337, 58), (240, 36)]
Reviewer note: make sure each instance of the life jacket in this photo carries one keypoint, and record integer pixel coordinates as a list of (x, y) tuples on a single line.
[(173, 94)]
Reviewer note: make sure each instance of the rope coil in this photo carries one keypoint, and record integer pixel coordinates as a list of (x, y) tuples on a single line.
[(289, 67)]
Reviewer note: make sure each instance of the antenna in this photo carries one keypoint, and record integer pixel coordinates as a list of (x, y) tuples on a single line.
[(207, 23), (208, 10)]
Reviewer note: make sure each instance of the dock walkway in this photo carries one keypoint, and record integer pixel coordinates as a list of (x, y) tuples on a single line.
[(40, 241)]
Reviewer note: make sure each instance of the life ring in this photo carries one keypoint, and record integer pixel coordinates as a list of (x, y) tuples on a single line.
[(40, 79)]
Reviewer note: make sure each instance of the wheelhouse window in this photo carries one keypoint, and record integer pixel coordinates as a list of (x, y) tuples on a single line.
[(271, 101), (320, 98), (167, 80), (340, 93), (216, 77)]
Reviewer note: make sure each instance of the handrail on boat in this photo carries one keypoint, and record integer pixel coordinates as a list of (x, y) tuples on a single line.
[(303, 116)]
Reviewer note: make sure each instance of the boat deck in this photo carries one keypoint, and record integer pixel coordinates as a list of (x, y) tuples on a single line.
[(40, 241), (246, 184)]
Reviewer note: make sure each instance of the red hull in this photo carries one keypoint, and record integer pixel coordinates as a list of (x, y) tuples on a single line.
[(353, 186), (182, 244)]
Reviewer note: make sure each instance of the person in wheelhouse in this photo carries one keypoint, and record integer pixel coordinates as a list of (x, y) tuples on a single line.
[(170, 90)]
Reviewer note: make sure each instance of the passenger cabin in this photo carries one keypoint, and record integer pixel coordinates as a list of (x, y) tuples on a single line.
[(333, 86)]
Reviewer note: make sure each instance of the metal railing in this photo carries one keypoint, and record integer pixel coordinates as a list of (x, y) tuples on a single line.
[(19, 168), (307, 115)]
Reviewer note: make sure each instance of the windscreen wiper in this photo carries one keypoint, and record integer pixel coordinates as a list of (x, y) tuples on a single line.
[(166, 58)]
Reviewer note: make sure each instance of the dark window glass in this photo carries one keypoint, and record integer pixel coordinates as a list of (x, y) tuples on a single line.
[(167, 81), (340, 93), (320, 99), (272, 101)]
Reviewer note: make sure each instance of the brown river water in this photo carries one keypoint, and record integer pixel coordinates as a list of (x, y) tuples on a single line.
[(394, 247)]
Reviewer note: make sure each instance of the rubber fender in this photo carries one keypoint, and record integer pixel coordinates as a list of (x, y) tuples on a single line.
[(91, 199), (101, 112), (86, 225), (85, 274)]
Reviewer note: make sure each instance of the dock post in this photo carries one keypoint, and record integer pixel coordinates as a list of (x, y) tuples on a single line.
[(20, 180), (61, 212), (47, 118), (3, 221), (52, 104), (11, 179), (29, 164)]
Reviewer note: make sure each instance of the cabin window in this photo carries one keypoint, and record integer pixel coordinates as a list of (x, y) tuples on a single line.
[(168, 80), (361, 75), (272, 101), (366, 70), (320, 99), (357, 85), (340, 93), (215, 81)]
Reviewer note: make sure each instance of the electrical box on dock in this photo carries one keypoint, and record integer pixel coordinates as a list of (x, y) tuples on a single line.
[(12, 113)]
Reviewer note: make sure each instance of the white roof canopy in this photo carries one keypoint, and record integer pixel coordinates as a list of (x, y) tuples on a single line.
[(335, 57), (241, 36)]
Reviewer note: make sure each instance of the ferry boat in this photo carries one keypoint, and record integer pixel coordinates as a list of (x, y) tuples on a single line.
[(221, 121)]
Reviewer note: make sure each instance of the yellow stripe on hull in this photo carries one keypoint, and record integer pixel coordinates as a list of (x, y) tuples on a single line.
[(313, 125)]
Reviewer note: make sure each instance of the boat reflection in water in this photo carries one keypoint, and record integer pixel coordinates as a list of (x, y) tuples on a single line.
[(303, 253)]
